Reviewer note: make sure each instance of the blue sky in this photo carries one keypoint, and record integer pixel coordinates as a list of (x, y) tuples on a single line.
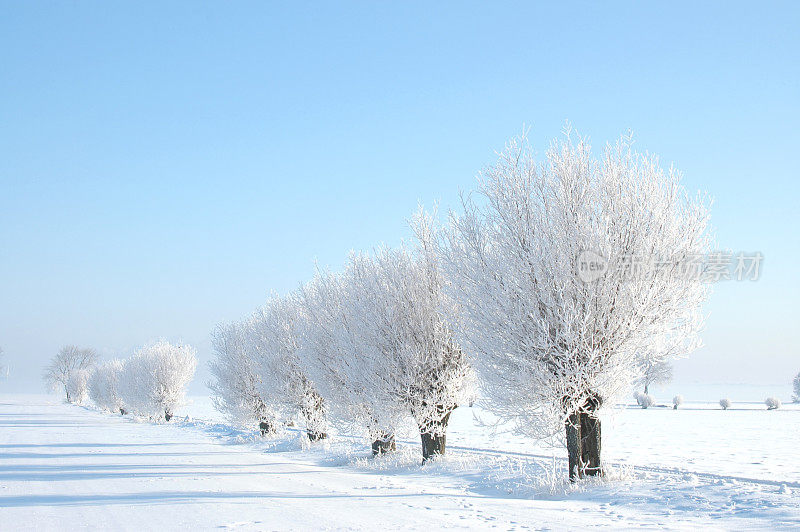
[(163, 167)]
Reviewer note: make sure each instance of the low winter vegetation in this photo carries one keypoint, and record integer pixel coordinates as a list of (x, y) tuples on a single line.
[(104, 386), (796, 385), (285, 384), (77, 388), (725, 403), (69, 371), (773, 403), (237, 383), (677, 401), (153, 381), (368, 349), (378, 343), (644, 400)]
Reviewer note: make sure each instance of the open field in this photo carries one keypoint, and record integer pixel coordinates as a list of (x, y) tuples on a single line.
[(66, 467)]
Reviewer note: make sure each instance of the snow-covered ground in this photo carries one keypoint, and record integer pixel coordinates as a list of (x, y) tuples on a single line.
[(65, 467)]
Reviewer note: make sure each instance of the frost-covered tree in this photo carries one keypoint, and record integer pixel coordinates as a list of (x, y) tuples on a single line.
[(285, 385), (677, 401), (154, 380), (773, 403), (379, 334), (78, 385), (645, 400), (69, 370), (559, 300), (104, 386), (796, 385), (333, 345), (654, 372), (725, 403), (236, 379)]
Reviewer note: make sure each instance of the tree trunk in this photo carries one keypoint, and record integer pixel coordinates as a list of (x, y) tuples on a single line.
[(122, 411), (434, 438), (590, 444), (383, 444), (266, 427), (573, 428), (645, 389), (167, 415), (314, 435)]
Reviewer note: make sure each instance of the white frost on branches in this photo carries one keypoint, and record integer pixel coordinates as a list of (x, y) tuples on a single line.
[(379, 342), (677, 401), (69, 371), (155, 378), (104, 386), (773, 403), (285, 385), (654, 371), (236, 381), (547, 344), (644, 400), (78, 385)]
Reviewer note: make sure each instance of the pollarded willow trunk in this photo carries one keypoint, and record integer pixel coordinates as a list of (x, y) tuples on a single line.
[(313, 413), (583, 441), (573, 428), (267, 427), (383, 444), (167, 414), (590, 445), (315, 435), (434, 437)]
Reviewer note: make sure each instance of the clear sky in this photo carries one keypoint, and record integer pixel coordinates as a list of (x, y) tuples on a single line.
[(164, 166)]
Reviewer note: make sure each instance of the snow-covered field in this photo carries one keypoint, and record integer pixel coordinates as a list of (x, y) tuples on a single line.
[(65, 467)]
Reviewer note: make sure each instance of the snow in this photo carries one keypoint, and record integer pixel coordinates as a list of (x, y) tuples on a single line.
[(69, 467)]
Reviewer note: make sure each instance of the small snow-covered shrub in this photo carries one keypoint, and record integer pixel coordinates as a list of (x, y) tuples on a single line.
[(154, 380), (78, 385), (236, 378), (104, 386), (644, 400), (773, 403), (725, 403), (677, 401), (796, 384)]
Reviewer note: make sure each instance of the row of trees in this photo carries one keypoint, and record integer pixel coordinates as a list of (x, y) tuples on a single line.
[(150, 383), (498, 294), (368, 349)]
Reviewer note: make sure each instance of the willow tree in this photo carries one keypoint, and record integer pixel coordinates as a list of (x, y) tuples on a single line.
[(569, 273), (379, 332)]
